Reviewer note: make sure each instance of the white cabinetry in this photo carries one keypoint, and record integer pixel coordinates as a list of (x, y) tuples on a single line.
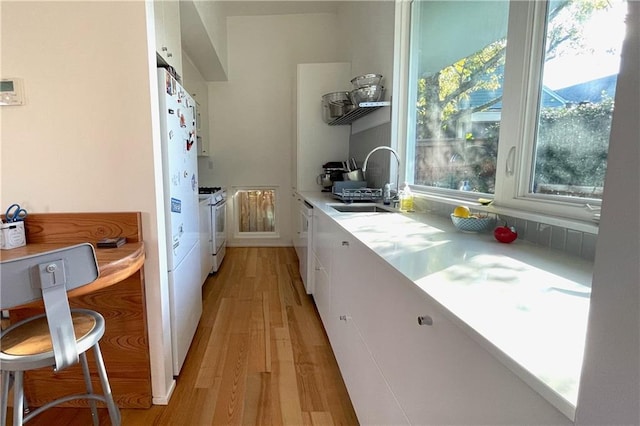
[(372, 398), (316, 142), (335, 298), (439, 374), (322, 242), (398, 371), (202, 130), (302, 212), (167, 26), (197, 87)]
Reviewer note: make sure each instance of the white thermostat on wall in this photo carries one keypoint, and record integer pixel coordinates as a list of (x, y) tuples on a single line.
[(11, 91)]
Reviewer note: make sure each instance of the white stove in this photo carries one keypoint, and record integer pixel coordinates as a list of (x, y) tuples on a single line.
[(213, 219)]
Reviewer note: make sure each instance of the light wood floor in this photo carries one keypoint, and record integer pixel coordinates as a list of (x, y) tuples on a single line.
[(260, 355)]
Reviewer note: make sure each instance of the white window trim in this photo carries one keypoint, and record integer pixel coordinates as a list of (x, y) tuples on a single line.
[(236, 209), (526, 27)]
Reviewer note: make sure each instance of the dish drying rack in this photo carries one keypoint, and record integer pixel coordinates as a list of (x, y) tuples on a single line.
[(358, 194)]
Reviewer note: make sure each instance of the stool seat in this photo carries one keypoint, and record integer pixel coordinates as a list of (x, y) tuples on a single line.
[(27, 345)]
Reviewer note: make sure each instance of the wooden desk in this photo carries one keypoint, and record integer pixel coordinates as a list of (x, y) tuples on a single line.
[(118, 294)]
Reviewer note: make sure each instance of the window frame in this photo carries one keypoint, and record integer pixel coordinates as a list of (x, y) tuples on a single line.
[(240, 235), (516, 154)]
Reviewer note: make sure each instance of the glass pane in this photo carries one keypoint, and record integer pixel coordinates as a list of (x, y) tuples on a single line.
[(256, 210), (581, 63), (457, 65)]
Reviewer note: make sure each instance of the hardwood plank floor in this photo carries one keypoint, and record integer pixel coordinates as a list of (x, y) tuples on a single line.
[(260, 355)]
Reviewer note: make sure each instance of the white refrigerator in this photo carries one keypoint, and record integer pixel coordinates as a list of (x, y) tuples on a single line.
[(180, 175)]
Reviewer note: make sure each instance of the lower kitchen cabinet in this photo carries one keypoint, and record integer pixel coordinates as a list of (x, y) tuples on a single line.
[(370, 394), (325, 236), (372, 399), (322, 291), (439, 374), (400, 372), (323, 240)]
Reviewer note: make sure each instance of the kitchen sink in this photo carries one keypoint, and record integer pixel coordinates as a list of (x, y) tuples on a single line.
[(360, 208)]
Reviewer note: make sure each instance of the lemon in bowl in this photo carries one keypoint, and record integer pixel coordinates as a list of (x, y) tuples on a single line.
[(462, 211)]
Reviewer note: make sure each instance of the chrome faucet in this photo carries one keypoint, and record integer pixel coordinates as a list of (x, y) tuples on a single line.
[(364, 165)]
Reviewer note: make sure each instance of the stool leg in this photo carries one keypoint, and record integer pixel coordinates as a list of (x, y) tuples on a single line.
[(4, 396), (18, 398), (89, 385), (114, 413)]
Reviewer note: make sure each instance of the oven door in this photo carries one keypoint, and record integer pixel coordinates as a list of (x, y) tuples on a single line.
[(219, 219)]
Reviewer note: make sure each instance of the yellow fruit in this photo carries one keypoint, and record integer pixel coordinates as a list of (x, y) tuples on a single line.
[(462, 211)]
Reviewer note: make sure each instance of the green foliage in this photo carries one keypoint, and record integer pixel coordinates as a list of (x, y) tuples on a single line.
[(442, 96), (573, 144)]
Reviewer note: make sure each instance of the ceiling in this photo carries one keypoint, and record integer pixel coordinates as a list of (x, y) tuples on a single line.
[(197, 43)]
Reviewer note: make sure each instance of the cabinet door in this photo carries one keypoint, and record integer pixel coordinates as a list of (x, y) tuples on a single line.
[(296, 232), (168, 39), (439, 374), (370, 394), (158, 16), (322, 293), (324, 238), (203, 140), (173, 39)]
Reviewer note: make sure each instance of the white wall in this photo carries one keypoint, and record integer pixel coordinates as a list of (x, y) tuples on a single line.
[(610, 385), (192, 80), (251, 115), (84, 140), (366, 29), (215, 22)]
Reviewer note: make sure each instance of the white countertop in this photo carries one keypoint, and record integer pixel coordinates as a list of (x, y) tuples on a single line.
[(526, 304)]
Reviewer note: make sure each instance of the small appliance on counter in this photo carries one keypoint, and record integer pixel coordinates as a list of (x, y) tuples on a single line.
[(333, 171), (338, 171)]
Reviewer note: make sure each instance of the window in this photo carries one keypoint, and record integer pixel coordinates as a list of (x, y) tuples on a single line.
[(255, 212), (575, 99), (457, 63), (512, 99)]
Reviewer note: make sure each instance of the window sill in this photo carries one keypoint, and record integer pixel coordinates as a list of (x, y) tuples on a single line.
[(590, 227)]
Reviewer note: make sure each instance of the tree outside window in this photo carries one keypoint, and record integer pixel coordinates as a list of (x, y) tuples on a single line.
[(458, 110)]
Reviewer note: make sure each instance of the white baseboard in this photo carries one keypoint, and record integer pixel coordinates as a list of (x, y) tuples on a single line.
[(164, 400)]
